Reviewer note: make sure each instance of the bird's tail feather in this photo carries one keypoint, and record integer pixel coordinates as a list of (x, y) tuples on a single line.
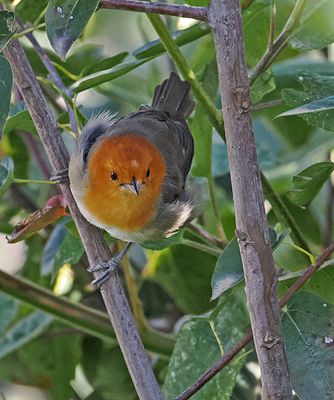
[(172, 96)]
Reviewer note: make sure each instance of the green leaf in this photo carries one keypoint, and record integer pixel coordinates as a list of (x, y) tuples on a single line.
[(8, 310), (316, 30), (23, 331), (106, 76), (6, 82), (6, 174), (163, 243), (316, 87), (107, 372), (307, 184), (106, 63), (185, 274), (262, 86), (29, 11), (7, 28), (70, 251), (65, 20), (308, 326), (53, 360), (201, 126), (155, 48), (19, 118), (199, 344), (326, 103), (228, 270)]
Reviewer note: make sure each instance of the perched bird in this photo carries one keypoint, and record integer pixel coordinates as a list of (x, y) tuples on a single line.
[(128, 175)]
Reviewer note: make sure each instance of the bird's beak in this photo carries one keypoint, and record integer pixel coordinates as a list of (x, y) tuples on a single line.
[(134, 186)]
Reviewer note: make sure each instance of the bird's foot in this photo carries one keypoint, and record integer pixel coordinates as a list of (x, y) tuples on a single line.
[(108, 267), (61, 177)]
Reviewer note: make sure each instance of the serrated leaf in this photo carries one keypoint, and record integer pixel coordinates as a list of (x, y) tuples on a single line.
[(228, 270), (106, 63), (7, 28), (6, 174), (316, 87), (200, 342), (105, 76), (156, 48), (65, 21), (6, 82), (308, 326), (23, 331), (307, 184)]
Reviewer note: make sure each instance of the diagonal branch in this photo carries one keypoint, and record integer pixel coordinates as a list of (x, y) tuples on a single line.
[(252, 228), (228, 356), (97, 250)]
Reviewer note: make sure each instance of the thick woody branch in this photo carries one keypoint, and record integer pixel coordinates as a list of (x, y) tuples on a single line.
[(199, 13), (229, 356), (252, 229), (97, 250)]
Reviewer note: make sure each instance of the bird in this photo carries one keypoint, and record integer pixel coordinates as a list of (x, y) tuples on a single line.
[(128, 175)]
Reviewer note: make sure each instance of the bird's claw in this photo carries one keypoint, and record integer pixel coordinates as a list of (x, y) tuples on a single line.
[(108, 268), (61, 177)]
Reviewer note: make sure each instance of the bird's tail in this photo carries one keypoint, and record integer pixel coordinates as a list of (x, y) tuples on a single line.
[(172, 96)]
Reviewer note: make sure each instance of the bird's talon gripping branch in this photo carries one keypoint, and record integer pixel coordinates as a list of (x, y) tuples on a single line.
[(109, 267), (61, 177)]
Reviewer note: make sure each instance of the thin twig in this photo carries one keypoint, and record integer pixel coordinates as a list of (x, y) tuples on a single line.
[(228, 357), (206, 236), (55, 77), (267, 104), (199, 13), (202, 247), (280, 42), (272, 26), (329, 209)]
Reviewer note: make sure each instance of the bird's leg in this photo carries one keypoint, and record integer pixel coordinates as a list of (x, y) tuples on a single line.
[(61, 177), (108, 267)]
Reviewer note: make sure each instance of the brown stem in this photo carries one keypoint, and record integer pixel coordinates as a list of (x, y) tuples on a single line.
[(199, 13), (138, 363), (228, 357), (252, 227)]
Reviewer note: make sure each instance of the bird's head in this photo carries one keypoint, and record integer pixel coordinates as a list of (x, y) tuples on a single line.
[(125, 174)]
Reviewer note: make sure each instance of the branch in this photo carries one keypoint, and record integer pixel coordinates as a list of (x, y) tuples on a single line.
[(199, 13), (83, 318), (228, 357), (275, 48), (116, 303), (252, 228)]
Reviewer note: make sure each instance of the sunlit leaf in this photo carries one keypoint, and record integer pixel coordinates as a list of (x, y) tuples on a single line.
[(6, 82), (156, 48), (307, 184), (98, 78), (308, 326), (65, 21)]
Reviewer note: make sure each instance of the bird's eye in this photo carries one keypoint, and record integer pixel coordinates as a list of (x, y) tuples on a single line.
[(148, 173), (113, 175)]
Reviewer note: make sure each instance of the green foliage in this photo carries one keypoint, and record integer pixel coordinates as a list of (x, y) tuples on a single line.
[(308, 329), (113, 60)]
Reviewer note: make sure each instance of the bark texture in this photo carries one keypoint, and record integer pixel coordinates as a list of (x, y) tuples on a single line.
[(252, 229)]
